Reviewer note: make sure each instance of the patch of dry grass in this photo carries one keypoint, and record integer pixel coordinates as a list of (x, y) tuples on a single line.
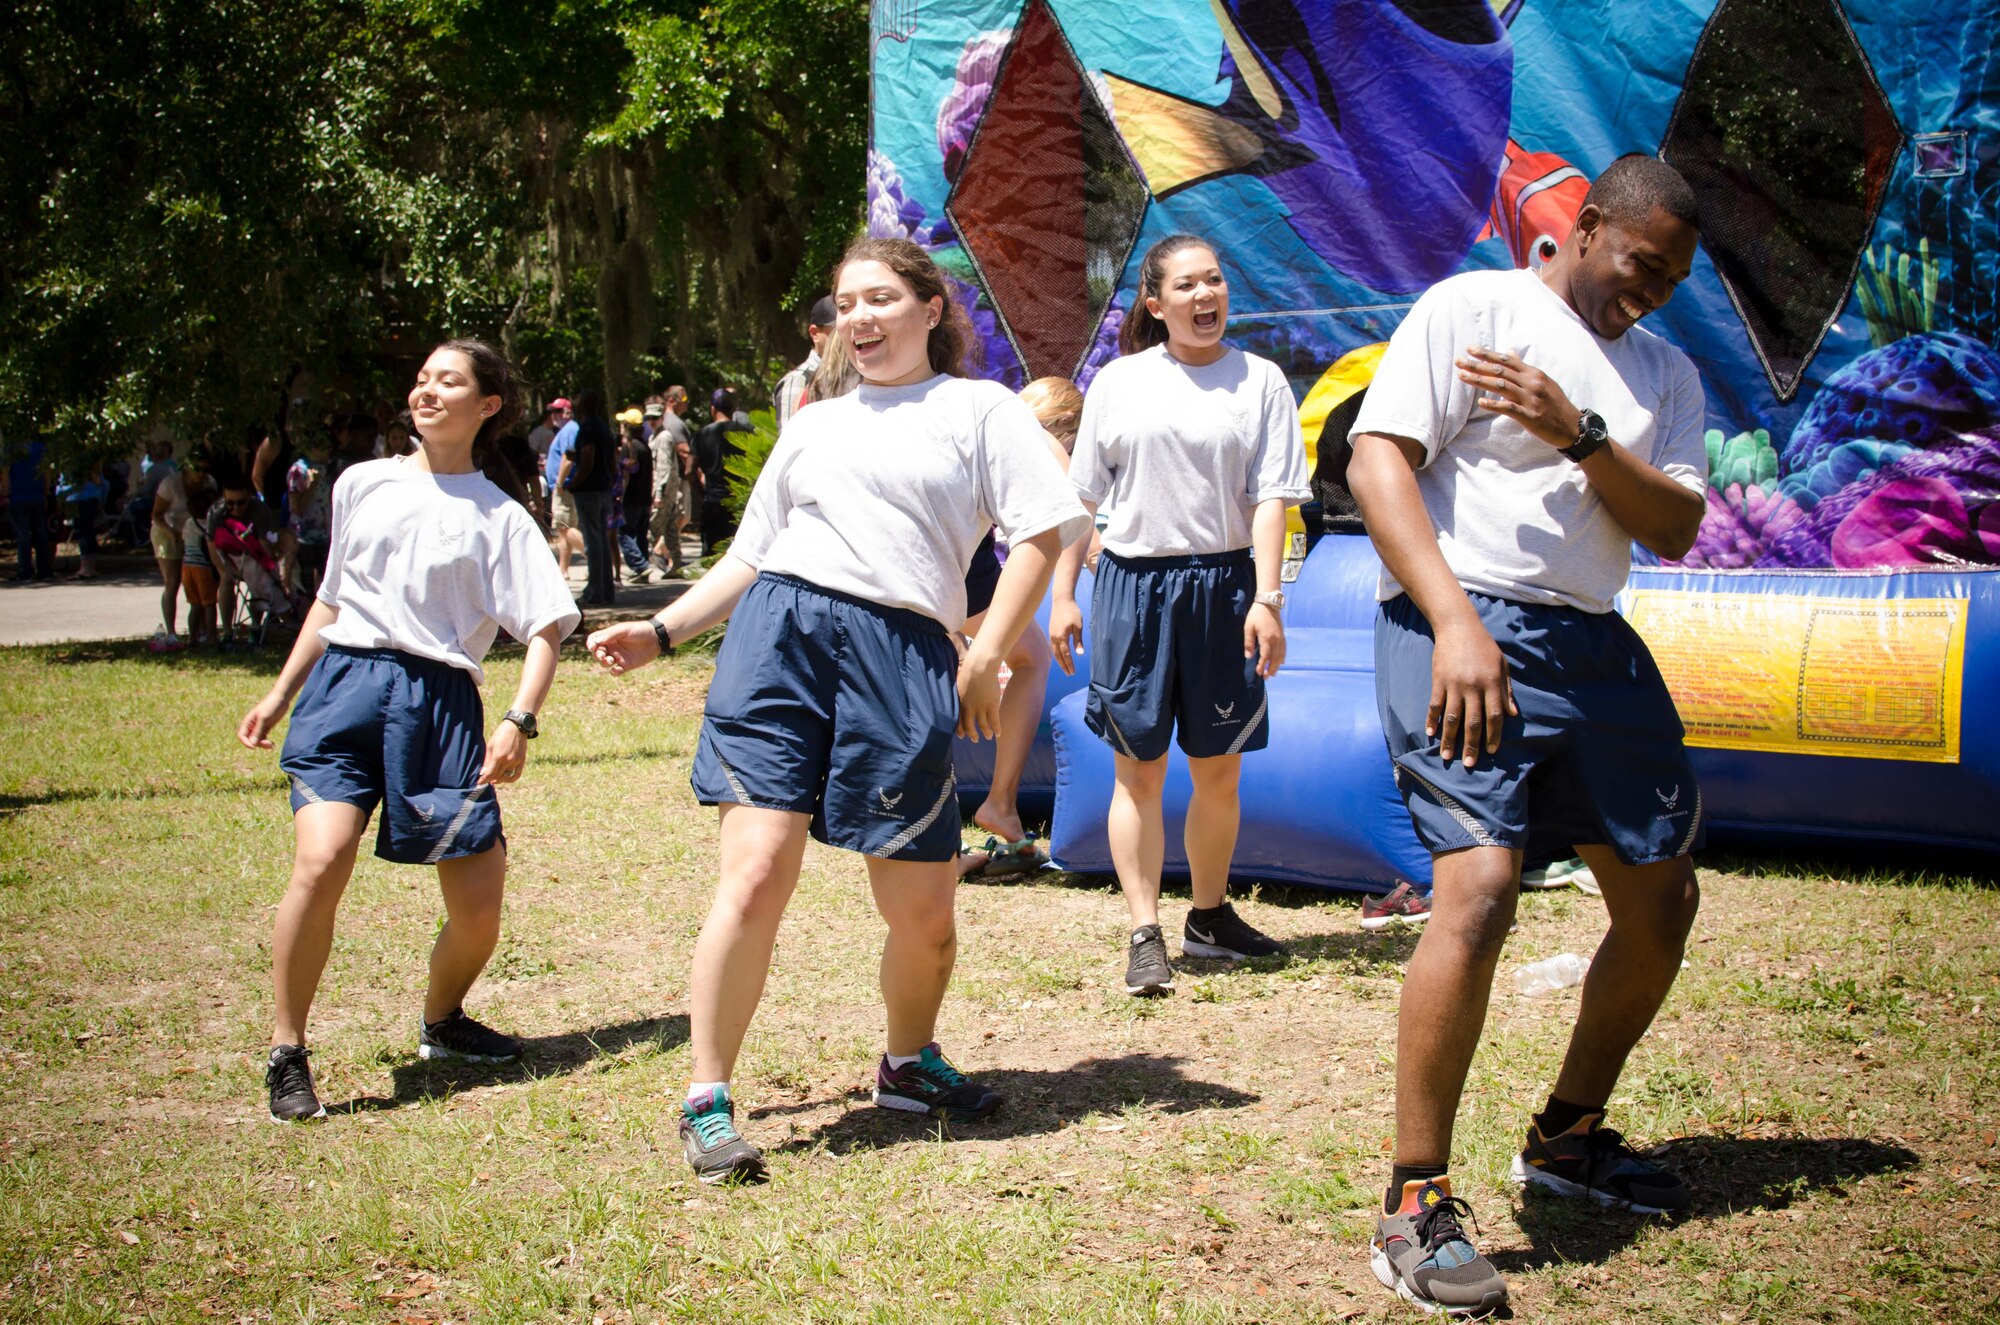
[(1823, 1074)]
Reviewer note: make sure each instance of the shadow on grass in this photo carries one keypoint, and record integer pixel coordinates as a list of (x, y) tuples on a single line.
[(275, 785), (1384, 952), (1292, 896), (1035, 1103), (545, 1056), (1727, 1174), (1891, 864), (14, 802)]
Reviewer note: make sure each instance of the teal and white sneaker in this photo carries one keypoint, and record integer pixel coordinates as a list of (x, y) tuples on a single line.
[(1423, 1254), (714, 1148), (1571, 873), (932, 1085)]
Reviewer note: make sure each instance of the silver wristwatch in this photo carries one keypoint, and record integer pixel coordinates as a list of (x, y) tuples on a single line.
[(1273, 599)]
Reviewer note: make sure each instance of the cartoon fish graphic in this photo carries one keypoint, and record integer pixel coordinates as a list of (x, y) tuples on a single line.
[(1535, 205), (1378, 124)]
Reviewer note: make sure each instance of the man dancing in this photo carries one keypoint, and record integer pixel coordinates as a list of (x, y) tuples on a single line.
[(1520, 434)]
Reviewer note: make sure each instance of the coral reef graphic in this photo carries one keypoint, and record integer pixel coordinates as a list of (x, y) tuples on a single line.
[(1896, 463)]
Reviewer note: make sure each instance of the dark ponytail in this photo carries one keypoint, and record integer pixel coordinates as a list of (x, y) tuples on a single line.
[(496, 378), (1141, 330)]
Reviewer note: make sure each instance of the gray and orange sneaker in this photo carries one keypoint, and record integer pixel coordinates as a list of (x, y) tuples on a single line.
[(1593, 1161), (1422, 1253), (932, 1085), (715, 1150)]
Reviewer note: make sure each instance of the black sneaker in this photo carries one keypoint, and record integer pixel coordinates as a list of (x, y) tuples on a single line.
[(714, 1148), (1422, 1253), (932, 1085), (1148, 973), (290, 1082), (1222, 933), (1593, 1160), (459, 1036)]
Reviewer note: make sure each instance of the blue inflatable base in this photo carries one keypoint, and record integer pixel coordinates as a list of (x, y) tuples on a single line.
[(1320, 807)]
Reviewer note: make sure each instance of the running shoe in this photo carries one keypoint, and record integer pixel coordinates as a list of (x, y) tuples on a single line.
[(1403, 906), (932, 1085), (459, 1036), (165, 642), (1561, 874), (714, 1148), (290, 1081), (1593, 1160), (1220, 932), (1422, 1253), (1148, 973)]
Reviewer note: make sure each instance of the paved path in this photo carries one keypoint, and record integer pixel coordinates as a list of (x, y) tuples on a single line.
[(127, 606)]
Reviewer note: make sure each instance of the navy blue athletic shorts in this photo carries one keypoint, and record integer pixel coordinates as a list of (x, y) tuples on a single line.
[(1166, 650), (827, 705), (1595, 756), (382, 727), (982, 576)]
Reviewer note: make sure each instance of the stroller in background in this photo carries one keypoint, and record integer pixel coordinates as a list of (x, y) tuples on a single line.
[(253, 597)]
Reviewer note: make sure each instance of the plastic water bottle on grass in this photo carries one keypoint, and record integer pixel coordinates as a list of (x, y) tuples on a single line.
[(1557, 972)]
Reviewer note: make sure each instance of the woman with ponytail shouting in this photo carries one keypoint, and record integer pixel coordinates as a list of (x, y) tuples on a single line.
[(1194, 449), (430, 559)]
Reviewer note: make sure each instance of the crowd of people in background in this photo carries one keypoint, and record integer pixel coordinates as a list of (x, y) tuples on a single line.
[(242, 532)]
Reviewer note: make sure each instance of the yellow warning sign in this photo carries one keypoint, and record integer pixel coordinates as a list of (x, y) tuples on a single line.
[(1875, 678)]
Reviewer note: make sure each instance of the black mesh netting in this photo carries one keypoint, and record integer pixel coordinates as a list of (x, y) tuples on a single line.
[(1788, 141), (1048, 202)]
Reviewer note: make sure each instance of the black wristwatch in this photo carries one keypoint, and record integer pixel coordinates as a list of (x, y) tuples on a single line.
[(522, 719), (1590, 436), (660, 634)]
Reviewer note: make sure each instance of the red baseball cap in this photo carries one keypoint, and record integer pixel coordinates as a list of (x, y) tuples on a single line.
[(560, 402)]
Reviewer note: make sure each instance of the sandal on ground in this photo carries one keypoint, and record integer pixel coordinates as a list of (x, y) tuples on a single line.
[(1020, 857)]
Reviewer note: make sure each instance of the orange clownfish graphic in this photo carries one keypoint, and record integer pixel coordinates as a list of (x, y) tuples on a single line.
[(1535, 204)]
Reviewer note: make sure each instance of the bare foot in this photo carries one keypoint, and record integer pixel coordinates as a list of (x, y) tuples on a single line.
[(1004, 824), (971, 862)]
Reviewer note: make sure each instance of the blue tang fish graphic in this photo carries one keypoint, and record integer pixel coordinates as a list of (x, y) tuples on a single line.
[(1381, 125)]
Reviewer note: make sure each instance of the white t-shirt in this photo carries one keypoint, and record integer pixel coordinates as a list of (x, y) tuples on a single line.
[(1514, 517), (436, 565), (884, 493), (175, 486), (1182, 455)]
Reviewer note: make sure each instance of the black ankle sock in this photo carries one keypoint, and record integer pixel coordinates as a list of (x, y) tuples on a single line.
[(1208, 910), (1402, 1173), (1558, 1116)]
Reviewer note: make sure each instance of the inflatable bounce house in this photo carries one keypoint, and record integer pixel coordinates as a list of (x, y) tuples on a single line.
[(1832, 641)]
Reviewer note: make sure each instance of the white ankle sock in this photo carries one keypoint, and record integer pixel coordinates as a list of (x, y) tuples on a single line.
[(899, 1061), (696, 1088)]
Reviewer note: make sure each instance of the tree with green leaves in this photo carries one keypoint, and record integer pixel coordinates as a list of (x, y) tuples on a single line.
[(206, 203)]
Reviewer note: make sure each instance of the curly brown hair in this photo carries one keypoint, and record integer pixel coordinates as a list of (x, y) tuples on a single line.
[(951, 343)]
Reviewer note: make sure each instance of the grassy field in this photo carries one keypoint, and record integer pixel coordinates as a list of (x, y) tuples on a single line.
[(1824, 1075)]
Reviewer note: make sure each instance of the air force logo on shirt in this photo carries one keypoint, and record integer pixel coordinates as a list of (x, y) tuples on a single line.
[(885, 803), (1225, 715)]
